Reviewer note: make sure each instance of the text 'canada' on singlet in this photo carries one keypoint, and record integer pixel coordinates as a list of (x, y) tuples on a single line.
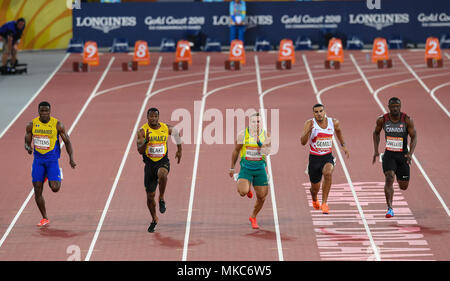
[(396, 134), (46, 139), (321, 140), (156, 148)]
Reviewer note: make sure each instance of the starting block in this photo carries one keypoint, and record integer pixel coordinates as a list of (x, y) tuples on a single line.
[(237, 55), (332, 64), (335, 54), (80, 66), (286, 55), (232, 65), (90, 58), (183, 56), (141, 56), (180, 65), (384, 63), (380, 53), (132, 65), (433, 56), (17, 68)]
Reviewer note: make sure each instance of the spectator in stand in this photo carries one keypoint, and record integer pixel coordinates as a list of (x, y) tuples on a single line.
[(237, 14)]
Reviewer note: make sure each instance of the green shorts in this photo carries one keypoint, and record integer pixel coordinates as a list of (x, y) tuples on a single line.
[(255, 177)]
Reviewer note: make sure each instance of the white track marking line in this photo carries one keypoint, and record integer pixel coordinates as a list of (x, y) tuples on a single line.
[(34, 96), (424, 86), (347, 175), (25, 203), (124, 159), (196, 159), (436, 99), (375, 96), (269, 165)]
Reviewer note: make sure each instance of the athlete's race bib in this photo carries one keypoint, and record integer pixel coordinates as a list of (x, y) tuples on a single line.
[(324, 144), (41, 142), (394, 144), (156, 150), (253, 154)]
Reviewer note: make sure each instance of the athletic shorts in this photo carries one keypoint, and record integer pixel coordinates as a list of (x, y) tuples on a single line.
[(396, 161), (43, 168), (255, 177), (316, 164), (151, 173)]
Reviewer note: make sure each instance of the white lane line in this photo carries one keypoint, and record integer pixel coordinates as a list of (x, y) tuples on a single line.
[(347, 175), (423, 85), (428, 180), (124, 159), (269, 164), (436, 99), (25, 203), (196, 157), (35, 95)]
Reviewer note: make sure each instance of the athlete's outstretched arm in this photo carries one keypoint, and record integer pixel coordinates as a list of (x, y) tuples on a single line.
[(142, 140), (237, 148), (307, 129), (413, 135), (174, 132), (340, 136), (29, 137), (66, 139), (376, 138)]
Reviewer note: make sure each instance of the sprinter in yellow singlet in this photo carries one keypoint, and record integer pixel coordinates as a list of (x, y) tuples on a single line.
[(152, 144), (44, 131), (252, 145)]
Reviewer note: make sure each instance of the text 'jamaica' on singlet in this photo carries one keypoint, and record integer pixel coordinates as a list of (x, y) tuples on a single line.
[(46, 139), (251, 157), (396, 134), (157, 146), (321, 140)]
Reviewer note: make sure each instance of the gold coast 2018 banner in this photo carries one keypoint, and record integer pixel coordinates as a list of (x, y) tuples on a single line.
[(48, 22)]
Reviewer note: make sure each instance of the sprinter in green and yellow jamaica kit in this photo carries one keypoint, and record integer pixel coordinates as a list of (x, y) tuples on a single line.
[(152, 140), (252, 145)]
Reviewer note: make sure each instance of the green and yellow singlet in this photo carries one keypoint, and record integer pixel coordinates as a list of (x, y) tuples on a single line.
[(251, 157)]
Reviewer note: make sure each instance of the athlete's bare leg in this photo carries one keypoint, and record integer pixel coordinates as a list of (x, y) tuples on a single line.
[(151, 204), (243, 187), (327, 173), (162, 182), (261, 194), (389, 187), (403, 185), (54, 185), (315, 188), (38, 188)]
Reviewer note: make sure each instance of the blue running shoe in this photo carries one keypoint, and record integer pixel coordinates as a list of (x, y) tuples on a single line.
[(390, 213)]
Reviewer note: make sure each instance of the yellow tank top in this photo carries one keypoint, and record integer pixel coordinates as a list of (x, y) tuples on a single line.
[(45, 137), (157, 146)]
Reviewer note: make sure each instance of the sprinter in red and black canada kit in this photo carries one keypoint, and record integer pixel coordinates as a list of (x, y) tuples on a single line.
[(396, 157)]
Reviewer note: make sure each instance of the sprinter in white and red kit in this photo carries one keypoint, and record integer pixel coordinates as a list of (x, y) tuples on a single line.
[(318, 132)]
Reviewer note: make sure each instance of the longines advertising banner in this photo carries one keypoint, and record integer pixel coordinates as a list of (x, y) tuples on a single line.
[(413, 20)]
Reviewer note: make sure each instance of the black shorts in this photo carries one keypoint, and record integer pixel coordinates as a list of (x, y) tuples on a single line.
[(151, 172), (396, 161), (316, 164)]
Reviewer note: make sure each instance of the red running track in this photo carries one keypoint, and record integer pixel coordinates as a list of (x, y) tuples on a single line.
[(218, 228)]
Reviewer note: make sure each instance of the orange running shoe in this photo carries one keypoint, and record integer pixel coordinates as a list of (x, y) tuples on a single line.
[(43, 222), (316, 205), (250, 194), (325, 208), (254, 223)]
